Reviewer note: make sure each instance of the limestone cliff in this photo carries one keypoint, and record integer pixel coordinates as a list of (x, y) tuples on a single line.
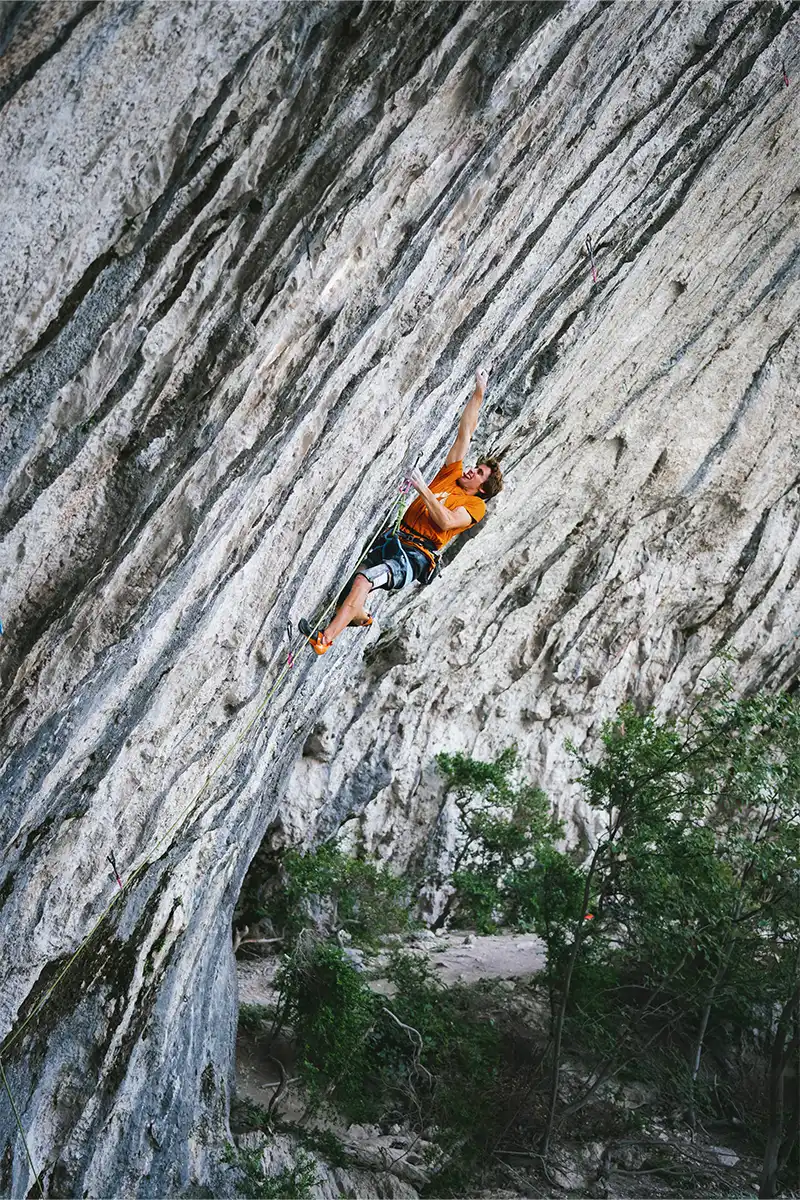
[(251, 256)]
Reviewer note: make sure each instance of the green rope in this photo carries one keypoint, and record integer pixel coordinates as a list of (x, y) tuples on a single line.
[(21, 1131), (396, 512), (398, 507)]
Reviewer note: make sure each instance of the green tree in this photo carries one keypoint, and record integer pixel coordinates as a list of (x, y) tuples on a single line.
[(332, 1014), (505, 827), (673, 944), (692, 886), (329, 890)]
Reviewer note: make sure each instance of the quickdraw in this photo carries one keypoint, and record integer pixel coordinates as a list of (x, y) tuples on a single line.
[(590, 252), (110, 858)]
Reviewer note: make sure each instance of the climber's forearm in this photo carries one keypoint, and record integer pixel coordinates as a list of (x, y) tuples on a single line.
[(446, 519), (469, 418), (441, 516)]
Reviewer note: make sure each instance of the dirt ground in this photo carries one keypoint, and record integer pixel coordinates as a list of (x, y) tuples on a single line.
[(455, 957)]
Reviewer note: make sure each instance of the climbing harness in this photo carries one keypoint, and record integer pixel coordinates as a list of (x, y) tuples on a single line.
[(426, 547)]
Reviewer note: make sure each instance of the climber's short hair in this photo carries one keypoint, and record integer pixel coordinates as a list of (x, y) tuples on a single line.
[(494, 483)]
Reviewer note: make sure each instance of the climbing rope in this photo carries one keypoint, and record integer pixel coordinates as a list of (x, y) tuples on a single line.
[(395, 512), (400, 505), (21, 1130)]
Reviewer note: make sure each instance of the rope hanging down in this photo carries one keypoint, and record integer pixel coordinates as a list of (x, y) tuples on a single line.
[(21, 1130), (395, 511)]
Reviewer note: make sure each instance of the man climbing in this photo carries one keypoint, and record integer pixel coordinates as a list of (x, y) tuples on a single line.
[(453, 502)]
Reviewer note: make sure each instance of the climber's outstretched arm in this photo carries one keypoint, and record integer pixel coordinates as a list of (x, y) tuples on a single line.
[(469, 420)]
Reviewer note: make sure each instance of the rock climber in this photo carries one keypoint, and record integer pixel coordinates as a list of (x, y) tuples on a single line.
[(454, 500)]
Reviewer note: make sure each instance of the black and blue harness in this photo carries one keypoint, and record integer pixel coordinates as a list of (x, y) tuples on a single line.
[(399, 558)]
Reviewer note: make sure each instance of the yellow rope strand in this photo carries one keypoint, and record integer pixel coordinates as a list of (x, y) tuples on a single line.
[(135, 874), (21, 1130)]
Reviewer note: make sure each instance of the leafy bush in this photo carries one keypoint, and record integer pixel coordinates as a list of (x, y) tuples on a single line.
[(247, 1115), (680, 931), (332, 1014), (255, 1018), (505, 829), (292, 1183), (433, 1056), (452, 1075), (326, 889)]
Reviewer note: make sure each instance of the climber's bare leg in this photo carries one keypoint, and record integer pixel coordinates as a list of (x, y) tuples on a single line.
[(352, 610), (361, 618)]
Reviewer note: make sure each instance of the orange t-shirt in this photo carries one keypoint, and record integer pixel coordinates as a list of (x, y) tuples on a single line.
[(444, 486)]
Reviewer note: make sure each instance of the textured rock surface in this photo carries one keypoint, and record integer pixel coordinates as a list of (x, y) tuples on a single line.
[(252, 254), (379, 1175)]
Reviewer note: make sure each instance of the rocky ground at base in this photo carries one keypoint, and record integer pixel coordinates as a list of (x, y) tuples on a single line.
[(456, 957), (663, 1159)]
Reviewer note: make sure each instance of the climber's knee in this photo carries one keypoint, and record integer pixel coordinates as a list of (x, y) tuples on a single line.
[(379, 576)]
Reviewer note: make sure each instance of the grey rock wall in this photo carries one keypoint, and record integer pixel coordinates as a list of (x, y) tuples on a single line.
[(251, 256)]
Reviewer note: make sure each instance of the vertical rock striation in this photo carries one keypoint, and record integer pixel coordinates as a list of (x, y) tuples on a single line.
[(252, 254)]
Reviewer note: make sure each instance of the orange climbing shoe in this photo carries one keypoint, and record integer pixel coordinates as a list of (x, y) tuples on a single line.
[(362, 624), (318, 645), (315, 640)]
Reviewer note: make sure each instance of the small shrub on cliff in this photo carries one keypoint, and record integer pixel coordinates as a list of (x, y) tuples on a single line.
[(291, 1183)]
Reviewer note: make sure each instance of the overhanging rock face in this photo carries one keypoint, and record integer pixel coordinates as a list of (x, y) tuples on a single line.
[(251, 257)]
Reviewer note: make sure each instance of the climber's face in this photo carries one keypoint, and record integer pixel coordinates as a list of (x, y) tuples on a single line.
[(473, 480)]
